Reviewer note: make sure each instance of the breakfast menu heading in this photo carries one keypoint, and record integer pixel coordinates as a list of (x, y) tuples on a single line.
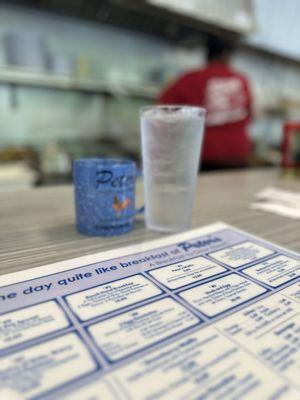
[(208, 314)]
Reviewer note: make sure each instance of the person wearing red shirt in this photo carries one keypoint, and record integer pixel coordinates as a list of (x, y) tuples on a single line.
[(226, 96)]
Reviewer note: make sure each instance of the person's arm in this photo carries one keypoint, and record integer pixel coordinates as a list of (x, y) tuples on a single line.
[(249, 99), (251, 114)]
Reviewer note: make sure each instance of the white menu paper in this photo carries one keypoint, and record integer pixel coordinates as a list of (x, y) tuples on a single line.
[(210, 314)]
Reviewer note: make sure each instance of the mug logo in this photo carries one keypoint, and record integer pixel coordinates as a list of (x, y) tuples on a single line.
[(106, 177), (118, 205)]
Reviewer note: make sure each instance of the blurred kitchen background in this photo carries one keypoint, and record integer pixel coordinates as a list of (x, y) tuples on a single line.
[(73, 74)]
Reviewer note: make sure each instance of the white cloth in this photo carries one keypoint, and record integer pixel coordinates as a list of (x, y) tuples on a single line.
[(277, 201)]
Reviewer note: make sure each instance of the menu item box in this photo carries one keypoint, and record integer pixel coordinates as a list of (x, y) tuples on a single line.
[(186, 272), (222, 294), (135, 330), (269, 329), (38, 369), (112, 296), (241, 254), (202, 365), (276, 271), (31, 322)]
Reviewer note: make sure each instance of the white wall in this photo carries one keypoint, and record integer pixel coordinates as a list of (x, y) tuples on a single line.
[(118, 54), (278, 26), (43, 114)]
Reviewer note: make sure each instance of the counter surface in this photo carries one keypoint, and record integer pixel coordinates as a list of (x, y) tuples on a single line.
[(37, 225)]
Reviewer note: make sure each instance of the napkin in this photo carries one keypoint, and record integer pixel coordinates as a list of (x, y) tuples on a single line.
[(277, 201)]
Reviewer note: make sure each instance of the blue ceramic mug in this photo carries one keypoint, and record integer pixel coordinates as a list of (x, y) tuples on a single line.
[(105, 195)]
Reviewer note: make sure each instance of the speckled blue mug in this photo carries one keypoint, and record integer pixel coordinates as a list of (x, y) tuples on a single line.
[(105, 196)]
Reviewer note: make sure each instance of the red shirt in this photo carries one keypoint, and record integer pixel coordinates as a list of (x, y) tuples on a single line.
[(226, 96)]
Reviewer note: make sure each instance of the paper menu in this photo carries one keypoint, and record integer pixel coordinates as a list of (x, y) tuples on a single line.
[(212, 313)]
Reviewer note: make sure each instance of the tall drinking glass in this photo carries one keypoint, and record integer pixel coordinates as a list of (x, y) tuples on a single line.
[(171, 147)]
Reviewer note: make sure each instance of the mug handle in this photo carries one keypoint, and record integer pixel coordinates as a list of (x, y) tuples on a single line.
[(140, 210)]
